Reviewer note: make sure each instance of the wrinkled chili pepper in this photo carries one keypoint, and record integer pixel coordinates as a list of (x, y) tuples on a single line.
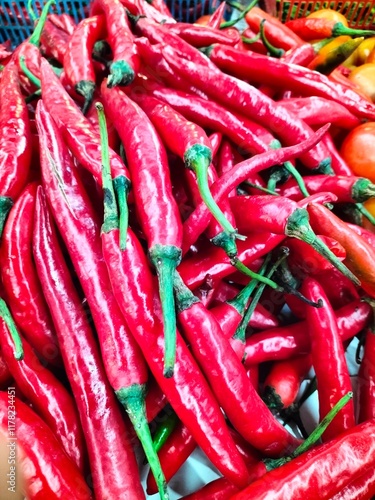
[(125, 63), (54, 42), (244, 98), (286, 342), (317, 28), (64, 22), (202, 36), (361, 488), (21, 282), (106, 438), (78, 64), (47, 394), (52, 479)]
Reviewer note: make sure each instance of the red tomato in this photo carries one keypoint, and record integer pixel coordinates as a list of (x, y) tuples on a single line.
[(358, 150)]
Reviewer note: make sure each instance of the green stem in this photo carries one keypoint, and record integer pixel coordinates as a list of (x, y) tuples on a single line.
[(133, 400), (232, 22), (33, 96), (248, 272), (6, 204), (365, 213), (164, 430), (121, 73), (235, 5), (298, 227), (30, 11), (33, 79), (122, 187), (341, 29), (260, 188), (86, 88), (362, 190), (249, 41), (298, 177), (198, 158), (8, 320), (35, 37), (166, 258), (273, 51)]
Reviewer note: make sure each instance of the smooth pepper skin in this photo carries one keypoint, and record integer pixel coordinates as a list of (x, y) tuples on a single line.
[(113, 465), (44, 478), (321, 472), (21, 282), (187, 391)]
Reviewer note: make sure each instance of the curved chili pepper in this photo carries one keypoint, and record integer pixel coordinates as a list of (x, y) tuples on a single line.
[(339, 290), (277, 33), (314, 111), (244, 98), (78, 64), (106, 438), (347, 189), (64, 22), (236, 395), (52, 479), (21, 282), (262, 69), (200, 218), (48, 396), (125, 63), (339, 165), (316, 28), (306, 477), (285, 342), (251, 41), (154, 200), (131, 278), (82, 140), (362, 488), (202, 36), (15, 141), (79, 226), (283, 382), (280, 215), (359, 254), (54, 42)]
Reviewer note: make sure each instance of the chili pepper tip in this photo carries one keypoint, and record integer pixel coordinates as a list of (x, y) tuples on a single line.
[(121, 74)]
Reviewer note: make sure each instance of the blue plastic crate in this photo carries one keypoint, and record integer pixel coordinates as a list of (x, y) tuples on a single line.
[(15, 24)]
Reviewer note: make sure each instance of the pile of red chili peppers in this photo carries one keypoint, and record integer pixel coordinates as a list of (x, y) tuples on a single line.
[(182, 245)]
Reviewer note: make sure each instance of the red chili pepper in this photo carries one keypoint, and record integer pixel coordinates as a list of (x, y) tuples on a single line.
[(285, 342), (15, 141), (262, 69), (228, 378), (78, 64), (200, 218), (21, 282), (359, 254), (149, 11), (307, 477), (251, 41), (314, 110), (283, 382), (203, 36), (244, 98), (339, 290), (317, 28), (362, 488), (276, 32), (366, 234), (162, 7), (43, 477), (155, 400), (45, 392), (5, 375), (64, 22), (148, 164), (187, 391), (106, 438), (79, 226), (280, 215), (126, 62), (348, 189), (216, 17), (82, 140), (339, 165), (54, 42)]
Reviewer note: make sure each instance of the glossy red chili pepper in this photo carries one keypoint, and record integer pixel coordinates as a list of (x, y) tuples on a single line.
[(251, 41), (145, 9), (359, 254), (307, 477), (244, 98), (81, 138), (258, 68), (283, 382), (43, 477), (348, 189), (219, 489), (365, 233), (78, 64), (149, 168), (155, 400), (106, 438), (54, 42), (216, 17), (125, 60), (339, 165), (63, 21), (162, 7), (5, 375), (248, 135), (44, 391), (203, 36), (314, 110), (362, 488), (80, 229), (187, 391), (276, 32), (15, 141), (228, 378), (215, 140), (200, 218), (21, 282), (286, 342), (317, 28), (339, 290)]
